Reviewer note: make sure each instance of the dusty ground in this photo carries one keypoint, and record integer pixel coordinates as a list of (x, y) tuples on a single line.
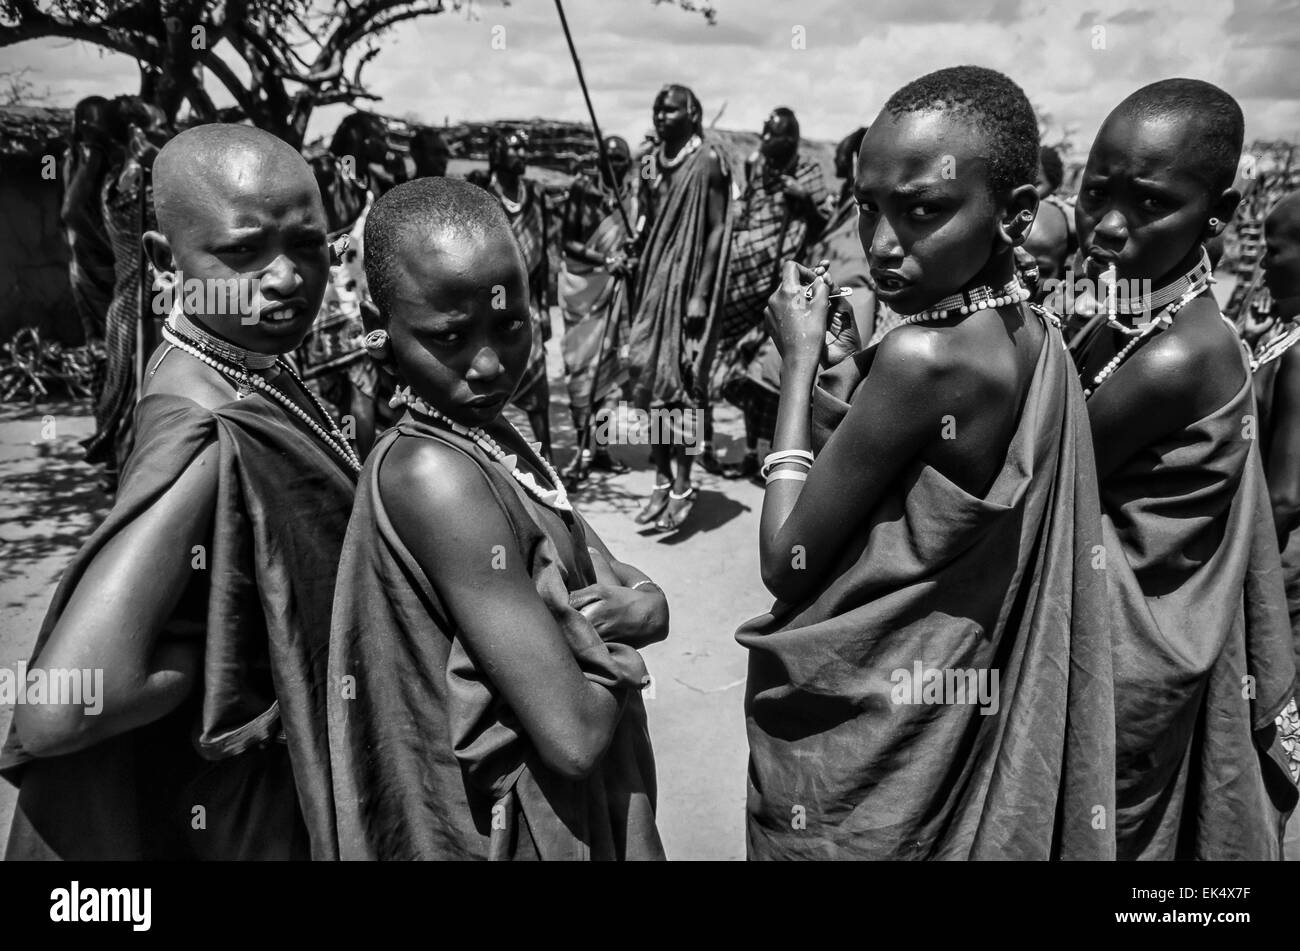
[(48, 503)]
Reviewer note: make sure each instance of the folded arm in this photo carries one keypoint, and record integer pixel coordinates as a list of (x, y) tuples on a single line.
[(448, 517)]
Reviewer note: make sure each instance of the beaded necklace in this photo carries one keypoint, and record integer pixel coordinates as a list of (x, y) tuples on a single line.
[(1279, 345), (556, 498), (1199, 274), (982, 297), (512, 207), (1159, 323), (333, 439), (693, 143)]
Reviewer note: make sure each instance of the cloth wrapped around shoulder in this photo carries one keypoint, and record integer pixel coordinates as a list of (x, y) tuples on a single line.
[(945, 692), (249, 746), (431, 763)]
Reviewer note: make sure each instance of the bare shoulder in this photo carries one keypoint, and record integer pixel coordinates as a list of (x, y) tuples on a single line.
[(927, 354), (174, 372), (426, 480), (1199, 353)]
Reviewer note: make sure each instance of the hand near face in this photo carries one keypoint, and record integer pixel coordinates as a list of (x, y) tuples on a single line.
[(796, 322)]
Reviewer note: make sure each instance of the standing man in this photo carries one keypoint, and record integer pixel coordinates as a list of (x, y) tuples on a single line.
[(593, 293), (683, 267), (778, 214), (525, 207)]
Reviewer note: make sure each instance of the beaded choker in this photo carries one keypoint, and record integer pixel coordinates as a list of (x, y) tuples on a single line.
[(693, 143), (968, 301), (222, 349), (1151, 304), (556, 497)]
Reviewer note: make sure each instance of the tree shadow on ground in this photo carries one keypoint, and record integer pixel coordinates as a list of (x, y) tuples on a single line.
[(52, 497)]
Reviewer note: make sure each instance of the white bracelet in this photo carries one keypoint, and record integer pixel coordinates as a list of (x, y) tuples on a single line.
[(786, 474), (774, 457), (644, 581), (799, 457)]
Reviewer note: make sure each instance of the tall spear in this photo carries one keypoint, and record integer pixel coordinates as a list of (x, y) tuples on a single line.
[(595, 126), (584, 438)]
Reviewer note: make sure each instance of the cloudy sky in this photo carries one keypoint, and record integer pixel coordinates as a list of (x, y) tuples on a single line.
[(1075, 60)]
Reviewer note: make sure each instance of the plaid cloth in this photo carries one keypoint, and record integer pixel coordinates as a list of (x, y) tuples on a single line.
[(762, 241)]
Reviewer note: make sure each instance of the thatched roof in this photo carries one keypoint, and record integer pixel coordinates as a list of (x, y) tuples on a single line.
[(33, 131)]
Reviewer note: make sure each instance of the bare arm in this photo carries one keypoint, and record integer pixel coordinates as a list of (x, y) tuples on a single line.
[(448, 517), (804, 525), (1284, 452), (620, 611), (115, 617)]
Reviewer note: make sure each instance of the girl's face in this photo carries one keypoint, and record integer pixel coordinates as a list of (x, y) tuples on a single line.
[(928, 220), (460, 326), (1144, 203)]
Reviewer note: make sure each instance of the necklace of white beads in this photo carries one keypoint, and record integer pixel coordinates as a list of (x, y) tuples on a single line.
[(333, 439), (968, 301), (556, 498), (1160, 322)]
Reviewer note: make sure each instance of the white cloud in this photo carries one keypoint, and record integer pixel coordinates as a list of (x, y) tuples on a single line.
[(857, 54)]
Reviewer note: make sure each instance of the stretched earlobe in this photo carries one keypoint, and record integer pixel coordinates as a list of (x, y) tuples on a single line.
[(378, 345)]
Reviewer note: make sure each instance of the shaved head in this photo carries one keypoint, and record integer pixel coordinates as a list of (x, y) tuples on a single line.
[(424, 218), (212, 163), (1285, 216), (1215, 127)]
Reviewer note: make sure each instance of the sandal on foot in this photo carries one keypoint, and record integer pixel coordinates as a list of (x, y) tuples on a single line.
[(673, 520), (658, 502)]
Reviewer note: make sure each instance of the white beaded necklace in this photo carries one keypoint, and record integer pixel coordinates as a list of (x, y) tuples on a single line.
[(1157, 324), (693, 143), (982, 297), (556, 498), (333, 439), (512, 207), (1279, 345), (1200, 274)]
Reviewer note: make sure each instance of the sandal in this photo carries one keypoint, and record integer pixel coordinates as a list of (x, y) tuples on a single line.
[(658, 502), (671, 520)]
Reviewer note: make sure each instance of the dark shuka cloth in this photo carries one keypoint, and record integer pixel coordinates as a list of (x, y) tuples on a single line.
[(428, 761), (670, 366), (1203, 656), (255, 731), (840, 770), (1265, 387)]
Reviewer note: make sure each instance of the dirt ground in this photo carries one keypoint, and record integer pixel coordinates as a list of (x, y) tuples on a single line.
[(709, 570)]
